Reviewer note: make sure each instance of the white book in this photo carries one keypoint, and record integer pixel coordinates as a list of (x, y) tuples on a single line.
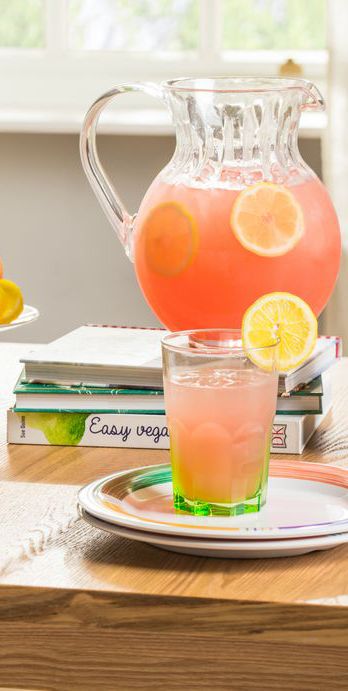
[(99, 356), (327, 350), (130, 356), (289, 435)]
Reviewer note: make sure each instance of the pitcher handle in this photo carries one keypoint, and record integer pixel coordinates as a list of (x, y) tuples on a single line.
[(105, 192)]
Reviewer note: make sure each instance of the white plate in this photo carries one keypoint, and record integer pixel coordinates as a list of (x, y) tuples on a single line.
[(225, 549), (304, 499), (29, 314)]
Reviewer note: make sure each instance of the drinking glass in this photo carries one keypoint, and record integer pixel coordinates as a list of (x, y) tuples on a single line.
[(220, 406)]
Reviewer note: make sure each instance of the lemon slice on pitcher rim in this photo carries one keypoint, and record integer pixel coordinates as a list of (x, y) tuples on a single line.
[(283, 316)]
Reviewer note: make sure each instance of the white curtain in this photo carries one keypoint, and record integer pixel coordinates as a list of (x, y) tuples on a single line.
[(335, 157)]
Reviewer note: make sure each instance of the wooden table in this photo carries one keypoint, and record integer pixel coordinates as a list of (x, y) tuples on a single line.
[(80, 609)]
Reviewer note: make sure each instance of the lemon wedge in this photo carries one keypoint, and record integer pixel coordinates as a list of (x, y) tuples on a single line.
[(283, 316)]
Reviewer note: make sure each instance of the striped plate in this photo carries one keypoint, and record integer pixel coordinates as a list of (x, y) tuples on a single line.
[(304, 499)]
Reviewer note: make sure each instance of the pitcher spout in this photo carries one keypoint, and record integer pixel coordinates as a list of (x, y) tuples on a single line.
[(312, 97)]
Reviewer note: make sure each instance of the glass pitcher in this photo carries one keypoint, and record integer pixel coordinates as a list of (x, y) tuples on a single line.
[(236, 212)]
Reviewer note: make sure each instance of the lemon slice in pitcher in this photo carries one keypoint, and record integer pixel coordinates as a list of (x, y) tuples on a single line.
[(283, 316), (171, 238), (267, 219)]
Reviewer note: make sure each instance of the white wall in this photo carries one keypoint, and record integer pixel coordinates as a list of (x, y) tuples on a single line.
[(55, 240)]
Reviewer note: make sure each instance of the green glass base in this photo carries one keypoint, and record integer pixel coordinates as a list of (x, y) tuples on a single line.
[(204, 508)]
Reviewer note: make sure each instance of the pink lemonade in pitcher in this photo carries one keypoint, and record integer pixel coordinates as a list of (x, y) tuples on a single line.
[(203, 256), (220, 423), (236, 213)]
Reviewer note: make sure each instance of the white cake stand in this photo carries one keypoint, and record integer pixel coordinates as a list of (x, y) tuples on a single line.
[(28, 315)]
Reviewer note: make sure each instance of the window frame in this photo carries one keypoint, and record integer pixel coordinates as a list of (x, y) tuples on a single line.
[(61, 80)]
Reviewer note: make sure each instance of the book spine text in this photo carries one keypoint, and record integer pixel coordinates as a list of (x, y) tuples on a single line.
[(120, 430)]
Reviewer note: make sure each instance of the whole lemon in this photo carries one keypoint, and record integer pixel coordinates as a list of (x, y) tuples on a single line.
[(11, 301)]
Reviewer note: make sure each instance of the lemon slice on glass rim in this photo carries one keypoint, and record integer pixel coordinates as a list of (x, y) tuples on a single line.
[(282, 316)]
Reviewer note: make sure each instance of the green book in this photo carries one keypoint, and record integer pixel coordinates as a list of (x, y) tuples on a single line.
[(52, 397), (307, 399), (103, 399)]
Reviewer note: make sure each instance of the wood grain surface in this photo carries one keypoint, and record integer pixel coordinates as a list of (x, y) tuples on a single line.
[(81, 609)]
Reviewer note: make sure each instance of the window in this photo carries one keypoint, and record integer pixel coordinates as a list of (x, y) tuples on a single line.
[(22, 24), (274, 25), (59, 55), (139, 25)]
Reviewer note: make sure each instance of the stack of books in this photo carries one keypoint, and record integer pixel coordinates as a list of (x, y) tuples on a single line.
[(102, 386)]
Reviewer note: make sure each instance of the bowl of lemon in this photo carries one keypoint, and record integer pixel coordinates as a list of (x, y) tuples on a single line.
[(13, 311)]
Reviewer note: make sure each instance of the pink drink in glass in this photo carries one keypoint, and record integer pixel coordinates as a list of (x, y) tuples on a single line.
[(220, 424)]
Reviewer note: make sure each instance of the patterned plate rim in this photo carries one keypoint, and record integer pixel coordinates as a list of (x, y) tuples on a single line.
[(150, 537), (94, 498)]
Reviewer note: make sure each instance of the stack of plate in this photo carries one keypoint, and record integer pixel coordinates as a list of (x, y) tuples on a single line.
[(306, 510)]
